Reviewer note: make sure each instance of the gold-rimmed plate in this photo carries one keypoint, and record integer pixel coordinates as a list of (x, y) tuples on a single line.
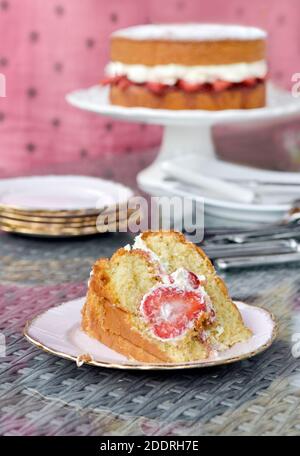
[(36, 222), (57, 331), (57, 196), (50, 223), (32, 218), (121, 211), (27, 231), (60, 230)]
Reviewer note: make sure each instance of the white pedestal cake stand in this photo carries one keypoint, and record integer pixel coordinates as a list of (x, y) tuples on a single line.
[(185, 132)]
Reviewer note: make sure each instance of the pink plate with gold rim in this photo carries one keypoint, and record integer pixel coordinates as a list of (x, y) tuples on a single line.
[(58, 332)]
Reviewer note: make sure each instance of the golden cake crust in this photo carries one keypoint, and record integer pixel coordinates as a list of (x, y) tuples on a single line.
[(103, 320), (111, 326), (189, 53), (233, 98)]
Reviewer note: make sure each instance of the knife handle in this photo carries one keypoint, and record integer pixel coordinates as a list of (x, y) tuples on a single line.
[(215, 251), (263, 260), (264, 236)]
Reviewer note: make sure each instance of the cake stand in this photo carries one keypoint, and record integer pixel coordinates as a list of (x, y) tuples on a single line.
[(186, 131)]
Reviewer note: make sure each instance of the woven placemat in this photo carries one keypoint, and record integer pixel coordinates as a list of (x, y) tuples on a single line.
[(42, 394)]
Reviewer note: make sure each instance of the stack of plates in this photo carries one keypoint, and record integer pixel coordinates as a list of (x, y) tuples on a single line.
[(61, 205), (275, 191)]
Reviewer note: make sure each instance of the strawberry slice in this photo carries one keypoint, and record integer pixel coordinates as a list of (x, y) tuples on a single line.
[(166, 330), (169, 310), (156, 87), (111, 80), (219, 85), (250, 82), (123, 83), (193, 280), (188, 86)]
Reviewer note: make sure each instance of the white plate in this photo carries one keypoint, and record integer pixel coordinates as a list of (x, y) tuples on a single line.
[(95, 99), (61, 193), (279, 201), (58, 331), (152, 181)]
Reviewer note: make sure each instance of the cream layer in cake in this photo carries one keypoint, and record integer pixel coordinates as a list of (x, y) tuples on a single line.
[(170, 74)]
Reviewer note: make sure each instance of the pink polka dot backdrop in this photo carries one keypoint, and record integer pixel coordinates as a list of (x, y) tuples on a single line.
[(50, 47)]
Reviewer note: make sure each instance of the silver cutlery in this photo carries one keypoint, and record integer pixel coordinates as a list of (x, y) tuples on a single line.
[(290, 223), (225, 230), (264, 260), (251, 249), (264, 235)]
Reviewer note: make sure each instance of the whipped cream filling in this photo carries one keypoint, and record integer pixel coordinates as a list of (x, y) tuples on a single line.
[(179, 280), (170, 74), (90, 278), (140, 245)]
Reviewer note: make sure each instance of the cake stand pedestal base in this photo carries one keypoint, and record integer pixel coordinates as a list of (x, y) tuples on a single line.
[(179, 140)]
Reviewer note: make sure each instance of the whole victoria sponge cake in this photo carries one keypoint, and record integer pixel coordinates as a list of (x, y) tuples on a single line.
[(161, 301), (188, 66)]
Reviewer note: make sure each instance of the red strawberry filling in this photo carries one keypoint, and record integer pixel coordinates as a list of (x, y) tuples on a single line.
[(160, 89), (218, 85), (189, 87), (170, 310), (156, 87), (193, 280)]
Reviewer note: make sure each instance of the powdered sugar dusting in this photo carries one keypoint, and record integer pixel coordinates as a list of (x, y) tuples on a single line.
[(191, 32)]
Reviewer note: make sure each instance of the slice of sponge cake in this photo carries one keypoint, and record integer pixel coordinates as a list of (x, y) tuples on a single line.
[(161, 301)]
